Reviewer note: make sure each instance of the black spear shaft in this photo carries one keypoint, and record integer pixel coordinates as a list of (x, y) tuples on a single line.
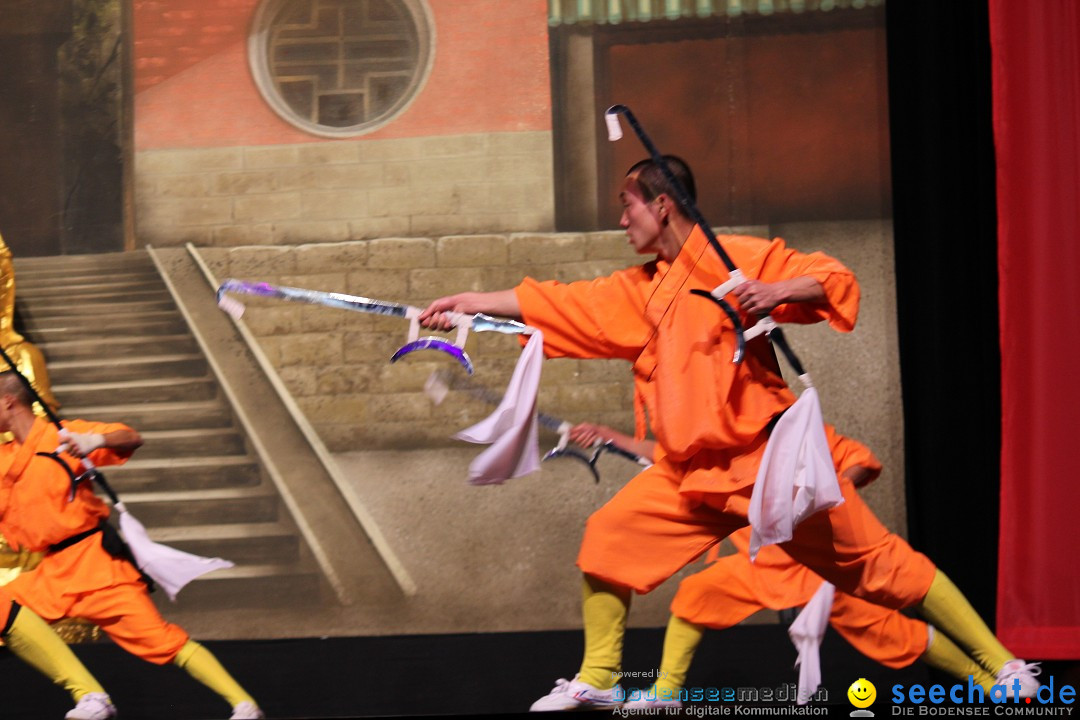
[(776, 335)]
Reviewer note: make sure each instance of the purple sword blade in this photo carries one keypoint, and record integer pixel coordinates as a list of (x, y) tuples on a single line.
[(435, 343)]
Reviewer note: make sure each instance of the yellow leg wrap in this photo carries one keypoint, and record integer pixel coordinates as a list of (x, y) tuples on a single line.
[(201, 664), (604, 608), (680, 643), (34, 641), (946, 608), (943, 654)]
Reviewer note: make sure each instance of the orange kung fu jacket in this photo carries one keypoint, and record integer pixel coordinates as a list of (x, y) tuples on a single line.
[(704, 410), (35, 513)]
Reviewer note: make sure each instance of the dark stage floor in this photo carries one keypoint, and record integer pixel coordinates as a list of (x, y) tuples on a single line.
[(433, 674)]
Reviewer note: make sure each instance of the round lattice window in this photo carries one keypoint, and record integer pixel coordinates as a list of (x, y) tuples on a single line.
[(340, 68)]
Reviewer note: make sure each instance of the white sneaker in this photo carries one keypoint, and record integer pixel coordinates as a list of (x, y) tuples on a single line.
[(648, 699), (577, 695), (92, 706), (246, 711), (1022, 671)]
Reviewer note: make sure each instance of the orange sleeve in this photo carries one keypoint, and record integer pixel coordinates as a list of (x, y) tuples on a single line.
[(102, 456), (848, 453), (600, 318), (778, 262)]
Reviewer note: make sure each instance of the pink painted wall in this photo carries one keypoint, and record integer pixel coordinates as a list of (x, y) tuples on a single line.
[(194, 88)]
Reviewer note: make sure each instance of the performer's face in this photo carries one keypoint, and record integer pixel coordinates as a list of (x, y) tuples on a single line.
[(640, 218)]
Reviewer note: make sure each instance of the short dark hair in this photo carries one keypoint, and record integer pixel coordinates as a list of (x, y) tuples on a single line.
[(11, 384), (650, 178)]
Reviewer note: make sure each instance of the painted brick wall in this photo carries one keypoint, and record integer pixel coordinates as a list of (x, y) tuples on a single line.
[(215, 166), (195, 90), (329, 192), (172, 36)]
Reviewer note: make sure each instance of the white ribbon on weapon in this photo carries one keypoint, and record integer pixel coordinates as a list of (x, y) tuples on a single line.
[(806, 633), (170, 568), (512, 429), (796, 478)]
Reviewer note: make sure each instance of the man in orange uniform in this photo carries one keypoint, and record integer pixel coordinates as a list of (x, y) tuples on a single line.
[(78, 576), (710, 417), (734, 587), (35, 643)]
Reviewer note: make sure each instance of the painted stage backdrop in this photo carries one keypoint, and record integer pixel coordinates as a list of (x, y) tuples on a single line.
[(402, 150)]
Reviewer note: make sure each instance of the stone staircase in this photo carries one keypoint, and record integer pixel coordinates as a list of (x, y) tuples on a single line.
[(118, 349)]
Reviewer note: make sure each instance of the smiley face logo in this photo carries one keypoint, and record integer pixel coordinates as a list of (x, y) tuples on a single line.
[(862, 693)]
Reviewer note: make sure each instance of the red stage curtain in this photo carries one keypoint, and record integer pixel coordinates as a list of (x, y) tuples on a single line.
[(1036, 86)]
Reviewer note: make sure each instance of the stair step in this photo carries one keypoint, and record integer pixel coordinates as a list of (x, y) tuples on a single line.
[(103, 262), (53, 271), (118, 349), (264, 586), (208, 472), (59, 300), (43, 291), (158, 416), (132, 368), (104, 349), (156, 324), (132, 319), (58, 297), (60, 309), (191, 442), (204, 507), (241, 543), (164, 389)]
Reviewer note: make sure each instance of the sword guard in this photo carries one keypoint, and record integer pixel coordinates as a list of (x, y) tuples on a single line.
[(740, 339), (75, 480), (568, 452), (432, 342)]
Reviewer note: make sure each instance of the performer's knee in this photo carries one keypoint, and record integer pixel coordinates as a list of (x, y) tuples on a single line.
[(687, 602), (603, 527), (184, 653)]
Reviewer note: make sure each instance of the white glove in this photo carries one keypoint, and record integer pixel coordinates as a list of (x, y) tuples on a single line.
[(82, 444)]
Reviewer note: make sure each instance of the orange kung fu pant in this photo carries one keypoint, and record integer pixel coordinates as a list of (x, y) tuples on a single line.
[(733, 588), (649, 530), (85, 581)]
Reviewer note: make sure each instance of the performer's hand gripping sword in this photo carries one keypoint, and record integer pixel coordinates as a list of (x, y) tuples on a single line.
[(765, 324), (456, 349), (441, 381)]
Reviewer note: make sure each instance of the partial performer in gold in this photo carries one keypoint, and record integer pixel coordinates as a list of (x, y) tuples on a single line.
[(31, 363), (26, 355)]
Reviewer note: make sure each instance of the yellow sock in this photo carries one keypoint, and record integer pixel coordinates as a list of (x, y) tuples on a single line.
[(604, 608), (946, 608), (37, 644), (680, 644), (201, 664), (943, 654)]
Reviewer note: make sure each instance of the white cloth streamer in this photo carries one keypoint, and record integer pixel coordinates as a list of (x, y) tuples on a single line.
[(806, 633), (512, 429), (797, 477), (170, 568)]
